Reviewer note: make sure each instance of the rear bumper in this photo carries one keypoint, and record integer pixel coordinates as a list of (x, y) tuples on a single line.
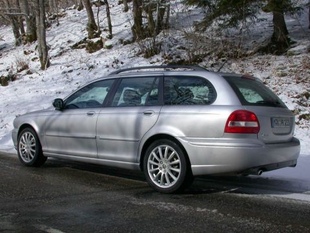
[(239, 156), (269, 167)]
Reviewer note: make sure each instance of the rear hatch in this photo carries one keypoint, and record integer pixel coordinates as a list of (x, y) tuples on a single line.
[(275, 119)]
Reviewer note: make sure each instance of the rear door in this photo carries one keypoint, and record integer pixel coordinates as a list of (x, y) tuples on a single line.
[(188, 108), (133, 111)]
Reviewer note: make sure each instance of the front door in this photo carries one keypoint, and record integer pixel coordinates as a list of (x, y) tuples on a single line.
[(72, 131)]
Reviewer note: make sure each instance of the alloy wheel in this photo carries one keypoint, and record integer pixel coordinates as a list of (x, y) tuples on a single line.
[(164, 166), (27, 147)]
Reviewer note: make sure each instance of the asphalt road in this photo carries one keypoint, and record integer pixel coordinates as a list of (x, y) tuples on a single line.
[(73, 197)]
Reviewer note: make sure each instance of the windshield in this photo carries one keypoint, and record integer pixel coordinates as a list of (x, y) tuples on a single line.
[(252, 91)]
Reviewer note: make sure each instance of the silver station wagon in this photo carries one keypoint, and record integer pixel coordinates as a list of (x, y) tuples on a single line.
[(171, 122)]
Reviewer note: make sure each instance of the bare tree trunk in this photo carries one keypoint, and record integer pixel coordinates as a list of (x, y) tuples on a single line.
[(137, 28), (279, 25), (21, 26), (31, 29), (80, 5), (41, 34), (151, 23), (14, 23), (98, 21), (280, 41), (309, 13), (126, 7), (20, 19), (53, 10), (168, 17), (91, 24), (50, 6), (161, 10), (109, 19), (57, 20), (16, 32), (280, 32), (155, 24)]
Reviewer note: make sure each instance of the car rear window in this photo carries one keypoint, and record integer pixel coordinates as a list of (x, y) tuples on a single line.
[(251, 91)]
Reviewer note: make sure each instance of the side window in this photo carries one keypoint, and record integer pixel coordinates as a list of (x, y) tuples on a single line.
[(90, 96), (188, 91), (137, 92)]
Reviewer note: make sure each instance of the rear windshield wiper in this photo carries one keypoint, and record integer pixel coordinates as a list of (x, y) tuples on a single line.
[(274, 103)]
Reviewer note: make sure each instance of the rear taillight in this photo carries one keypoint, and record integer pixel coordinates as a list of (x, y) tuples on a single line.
[(242, 121)]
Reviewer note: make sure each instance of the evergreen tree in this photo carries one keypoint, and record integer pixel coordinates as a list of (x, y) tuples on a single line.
[(279, 40), (229, 13)]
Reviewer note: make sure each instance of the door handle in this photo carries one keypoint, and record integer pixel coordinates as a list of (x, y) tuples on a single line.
[(148, 112), (91, 113)]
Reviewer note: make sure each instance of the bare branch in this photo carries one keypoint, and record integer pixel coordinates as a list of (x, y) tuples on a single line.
[(7, 9), (16, 14)]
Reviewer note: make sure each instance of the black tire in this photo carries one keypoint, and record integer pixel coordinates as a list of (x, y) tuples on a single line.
[(166, 167), (29, 148)]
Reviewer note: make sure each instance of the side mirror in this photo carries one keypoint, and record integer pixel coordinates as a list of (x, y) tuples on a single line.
[(58, 104)]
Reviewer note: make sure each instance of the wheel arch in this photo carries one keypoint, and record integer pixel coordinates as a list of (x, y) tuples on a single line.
[(24, 126), (27, 125), (156, 137)]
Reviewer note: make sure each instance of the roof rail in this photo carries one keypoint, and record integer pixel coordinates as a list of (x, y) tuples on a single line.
[(165, 67)]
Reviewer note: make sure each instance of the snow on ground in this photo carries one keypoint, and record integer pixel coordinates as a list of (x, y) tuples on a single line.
[(288, 76)]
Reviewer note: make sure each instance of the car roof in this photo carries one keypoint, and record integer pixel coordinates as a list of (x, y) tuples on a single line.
[(168, 69), (159, 68)]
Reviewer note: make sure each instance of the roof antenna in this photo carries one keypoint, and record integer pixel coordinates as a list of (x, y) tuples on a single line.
[(222, 65)]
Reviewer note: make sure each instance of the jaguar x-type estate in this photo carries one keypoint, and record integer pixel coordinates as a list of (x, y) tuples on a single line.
[(171, 122)]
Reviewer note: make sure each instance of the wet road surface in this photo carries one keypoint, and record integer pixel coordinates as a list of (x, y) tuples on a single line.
[(73, 197)]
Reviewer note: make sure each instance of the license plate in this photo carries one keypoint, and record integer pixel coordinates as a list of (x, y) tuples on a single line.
[(279, 122)]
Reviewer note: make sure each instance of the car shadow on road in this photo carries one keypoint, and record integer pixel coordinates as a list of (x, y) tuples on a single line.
[(250, 185)]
